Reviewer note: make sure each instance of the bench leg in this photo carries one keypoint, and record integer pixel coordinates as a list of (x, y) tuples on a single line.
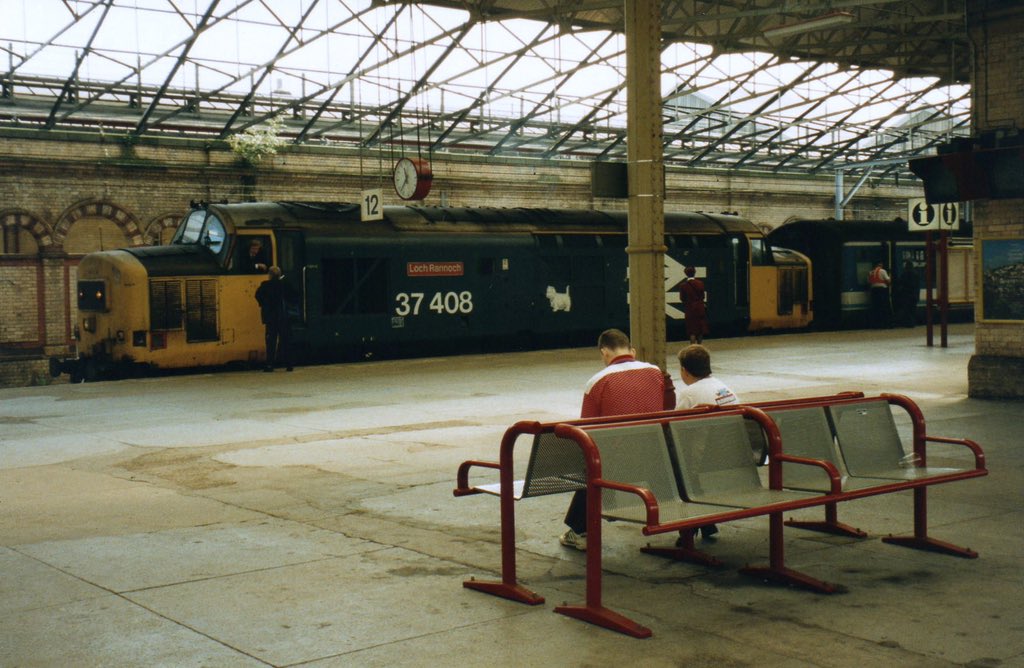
[(509, 587), (920, 540), (513, 592), (776, 571), (831, 524), (684, 550), (931, 545), (593, 611), (602, 616)]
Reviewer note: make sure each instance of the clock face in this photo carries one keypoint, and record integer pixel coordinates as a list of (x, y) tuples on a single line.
[(412, 178)]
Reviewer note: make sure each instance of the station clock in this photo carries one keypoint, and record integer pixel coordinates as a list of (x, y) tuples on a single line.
[(412, 178)]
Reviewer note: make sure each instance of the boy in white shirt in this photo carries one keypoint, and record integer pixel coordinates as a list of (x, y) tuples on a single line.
[(699, 386)]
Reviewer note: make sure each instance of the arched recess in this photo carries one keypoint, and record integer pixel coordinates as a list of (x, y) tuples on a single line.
[(161, 229), (24, 233), (93, 225)]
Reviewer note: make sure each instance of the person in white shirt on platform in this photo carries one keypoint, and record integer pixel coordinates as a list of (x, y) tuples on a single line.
[(700, 387)]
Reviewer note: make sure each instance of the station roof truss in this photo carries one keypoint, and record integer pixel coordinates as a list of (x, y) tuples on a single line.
[(785, 86)]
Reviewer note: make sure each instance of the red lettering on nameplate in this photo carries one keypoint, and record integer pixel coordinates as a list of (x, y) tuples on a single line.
[(434, 269)]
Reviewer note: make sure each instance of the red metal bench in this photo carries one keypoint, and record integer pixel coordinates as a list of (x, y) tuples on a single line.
[(626, 464), (629, 442)]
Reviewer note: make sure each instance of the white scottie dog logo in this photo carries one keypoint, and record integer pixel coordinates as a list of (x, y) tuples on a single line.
[(560, 301)]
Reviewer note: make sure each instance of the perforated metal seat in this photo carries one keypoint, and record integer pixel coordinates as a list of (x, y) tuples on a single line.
[(556, 466), (639, 455), (806, 432), (716, 466), (870, 443)]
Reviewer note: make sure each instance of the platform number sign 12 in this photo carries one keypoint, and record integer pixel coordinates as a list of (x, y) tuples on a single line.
[(371, 205)]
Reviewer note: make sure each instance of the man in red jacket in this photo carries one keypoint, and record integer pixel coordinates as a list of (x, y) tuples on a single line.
[(624, 386)]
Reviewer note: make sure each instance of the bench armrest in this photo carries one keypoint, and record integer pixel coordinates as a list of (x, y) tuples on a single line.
[(979, 454), (833, 474), (462, 487), (645, 495)]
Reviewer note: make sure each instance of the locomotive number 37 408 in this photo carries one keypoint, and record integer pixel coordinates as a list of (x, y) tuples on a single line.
[(409, 303)]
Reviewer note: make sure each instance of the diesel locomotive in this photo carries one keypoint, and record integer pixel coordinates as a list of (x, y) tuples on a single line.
[(423, 280)]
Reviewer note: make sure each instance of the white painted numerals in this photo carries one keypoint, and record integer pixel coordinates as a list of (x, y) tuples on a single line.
[(451, 303)]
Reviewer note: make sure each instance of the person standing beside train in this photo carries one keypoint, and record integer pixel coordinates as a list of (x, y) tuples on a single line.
[(272, 296), (691, 293), (625, 385), (878, 286), (906, 294)]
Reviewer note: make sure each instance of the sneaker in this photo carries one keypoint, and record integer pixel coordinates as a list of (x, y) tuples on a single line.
[(572, 539)]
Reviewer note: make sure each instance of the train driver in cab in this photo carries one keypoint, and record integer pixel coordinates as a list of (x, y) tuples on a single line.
[(257, 259)]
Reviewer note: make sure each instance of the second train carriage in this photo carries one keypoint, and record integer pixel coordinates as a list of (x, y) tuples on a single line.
[(422, 280), (842, 253)]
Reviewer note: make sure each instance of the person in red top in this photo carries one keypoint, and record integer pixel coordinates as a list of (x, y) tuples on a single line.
[(691, 293), (878, 286), (624, 386)]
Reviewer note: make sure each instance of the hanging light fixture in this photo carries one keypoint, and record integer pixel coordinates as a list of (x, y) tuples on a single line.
[(832, 20)]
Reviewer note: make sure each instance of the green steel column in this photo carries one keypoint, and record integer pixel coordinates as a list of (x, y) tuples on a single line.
[(646, 180)]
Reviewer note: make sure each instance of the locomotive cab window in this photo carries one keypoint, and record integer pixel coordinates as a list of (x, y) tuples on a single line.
[(213, 234), (191, 229), (760, 253), (200, 228)]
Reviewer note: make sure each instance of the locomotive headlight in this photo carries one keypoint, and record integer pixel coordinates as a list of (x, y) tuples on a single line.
[(89, 324)]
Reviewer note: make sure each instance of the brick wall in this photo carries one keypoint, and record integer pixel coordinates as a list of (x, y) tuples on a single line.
[(997, 369), (19, 300)]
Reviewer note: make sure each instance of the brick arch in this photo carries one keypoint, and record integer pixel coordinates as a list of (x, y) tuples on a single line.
[(155, 228), (125, 220), (39, 230)]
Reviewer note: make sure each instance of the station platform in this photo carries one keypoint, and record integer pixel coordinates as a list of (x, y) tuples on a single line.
[(307, 518)]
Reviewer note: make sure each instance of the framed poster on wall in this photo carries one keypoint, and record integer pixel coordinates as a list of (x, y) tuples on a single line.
[(1002, 280)]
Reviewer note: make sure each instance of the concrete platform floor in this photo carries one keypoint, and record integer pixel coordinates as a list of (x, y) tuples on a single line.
[(250, 519)]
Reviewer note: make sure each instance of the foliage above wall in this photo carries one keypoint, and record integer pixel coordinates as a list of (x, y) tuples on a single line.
[(257, 142)]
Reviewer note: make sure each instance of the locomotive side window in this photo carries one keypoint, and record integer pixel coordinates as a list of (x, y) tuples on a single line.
[(165, 310), (760, 256), (252, 254), (355, 286)]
